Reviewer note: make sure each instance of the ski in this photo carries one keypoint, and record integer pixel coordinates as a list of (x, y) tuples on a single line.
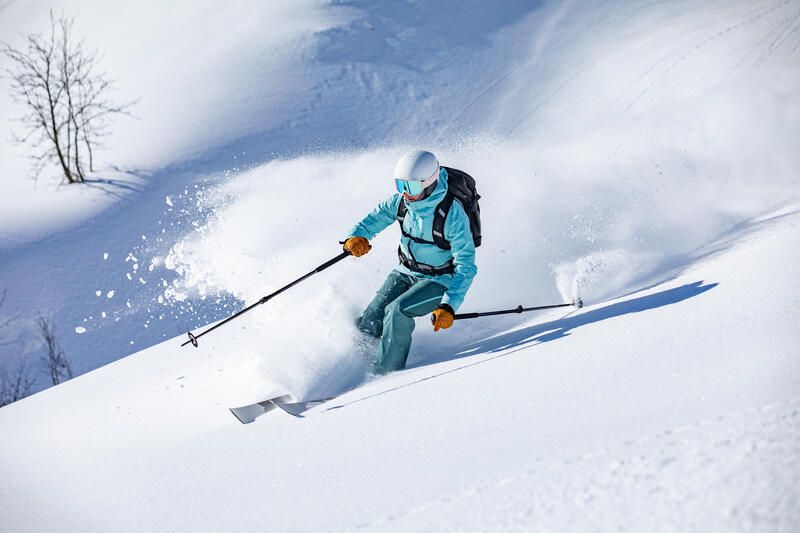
[(248, 413), (298, 408)]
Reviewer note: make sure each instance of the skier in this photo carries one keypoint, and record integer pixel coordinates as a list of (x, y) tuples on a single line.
[(429, 279)]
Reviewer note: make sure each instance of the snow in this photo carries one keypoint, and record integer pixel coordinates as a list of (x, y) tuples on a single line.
[(639, 155), (567, 422)]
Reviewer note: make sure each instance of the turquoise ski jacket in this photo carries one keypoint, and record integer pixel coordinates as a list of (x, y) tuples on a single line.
[(419, 223)]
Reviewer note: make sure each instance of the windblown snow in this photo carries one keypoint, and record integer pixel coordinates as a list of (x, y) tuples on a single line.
[(639, 155)]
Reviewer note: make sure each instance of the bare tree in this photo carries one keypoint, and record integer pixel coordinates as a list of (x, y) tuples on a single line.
[(54, 359), (67, 109), (14, 386), (4, 322)]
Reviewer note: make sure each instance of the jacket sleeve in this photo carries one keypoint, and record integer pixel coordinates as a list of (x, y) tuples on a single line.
[(458, 234), (380, 218)]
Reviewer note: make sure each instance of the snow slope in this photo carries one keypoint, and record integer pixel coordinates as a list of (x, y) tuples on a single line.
[(641, 155), (673, 408)]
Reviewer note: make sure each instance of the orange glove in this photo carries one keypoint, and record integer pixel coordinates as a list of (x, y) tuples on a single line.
[(442, 317), (357, 246)]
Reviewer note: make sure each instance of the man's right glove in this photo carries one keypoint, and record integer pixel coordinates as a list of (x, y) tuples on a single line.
[(357, 246)]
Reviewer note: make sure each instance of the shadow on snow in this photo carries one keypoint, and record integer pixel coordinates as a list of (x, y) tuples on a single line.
[(556, 329), (514, 341)]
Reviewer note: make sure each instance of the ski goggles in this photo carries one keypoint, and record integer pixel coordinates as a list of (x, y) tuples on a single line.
[(415, 187)]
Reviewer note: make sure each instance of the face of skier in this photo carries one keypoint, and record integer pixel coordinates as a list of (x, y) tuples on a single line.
[(410, 198), (407, 187)]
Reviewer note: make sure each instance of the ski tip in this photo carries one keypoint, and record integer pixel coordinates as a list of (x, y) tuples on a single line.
[(579, 303), (239, 418)]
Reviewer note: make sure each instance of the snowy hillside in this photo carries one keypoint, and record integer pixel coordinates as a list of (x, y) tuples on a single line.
[(674, 408), (639, 155)]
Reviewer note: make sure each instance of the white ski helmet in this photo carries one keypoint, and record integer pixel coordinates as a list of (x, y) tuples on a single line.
[(416, 165)]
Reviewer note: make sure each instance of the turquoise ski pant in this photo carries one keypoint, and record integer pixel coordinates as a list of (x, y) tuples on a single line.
[(391, 314)]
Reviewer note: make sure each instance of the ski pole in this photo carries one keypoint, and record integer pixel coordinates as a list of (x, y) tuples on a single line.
[(265, 299), (577, 303)]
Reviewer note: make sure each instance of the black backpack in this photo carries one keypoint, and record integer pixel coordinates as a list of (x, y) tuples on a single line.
[(461, 187)]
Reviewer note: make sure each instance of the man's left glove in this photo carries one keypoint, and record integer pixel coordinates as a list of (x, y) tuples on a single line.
[(442, 317)]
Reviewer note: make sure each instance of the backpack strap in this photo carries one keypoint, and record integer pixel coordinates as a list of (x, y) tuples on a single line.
[(439, 217), (402, 209)]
